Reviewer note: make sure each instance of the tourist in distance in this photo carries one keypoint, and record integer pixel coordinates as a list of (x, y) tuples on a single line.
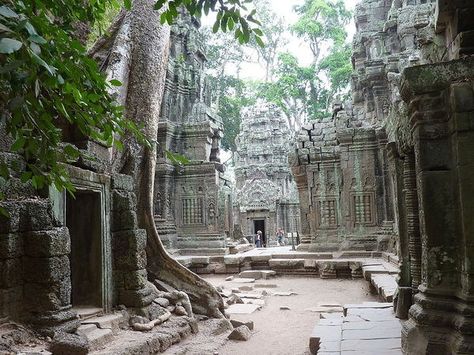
[(279, 235), (258, 239)]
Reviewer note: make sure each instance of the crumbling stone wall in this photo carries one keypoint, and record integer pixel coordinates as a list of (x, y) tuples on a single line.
[(413, 87), (187, 207)]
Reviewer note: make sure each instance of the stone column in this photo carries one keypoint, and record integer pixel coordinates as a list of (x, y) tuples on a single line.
[(412, 219), (301, 179), (441, 111)]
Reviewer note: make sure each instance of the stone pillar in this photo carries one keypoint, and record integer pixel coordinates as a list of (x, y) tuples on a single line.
[(441, 111), (301, 179), (412, 219)]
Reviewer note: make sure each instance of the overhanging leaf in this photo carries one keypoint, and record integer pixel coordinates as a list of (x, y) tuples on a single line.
[(9, 45)]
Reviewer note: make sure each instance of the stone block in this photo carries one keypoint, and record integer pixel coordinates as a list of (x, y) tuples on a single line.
[(126, 242), (241, 333), (134, 260), (124, 220), (123, 200), (236, 323), (47, 243), (27, 215), (67, 344), (286, 263), (136, 298), (55, 297), (46, 270), (11, 302), (10, 273), (135, 280), (11, 246), (462, 97), (122, 182)]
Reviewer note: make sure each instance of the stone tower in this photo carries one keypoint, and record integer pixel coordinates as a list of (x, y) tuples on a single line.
[(191, 212), (266, 193)]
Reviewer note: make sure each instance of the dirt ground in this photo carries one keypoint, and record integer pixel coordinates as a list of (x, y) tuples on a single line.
[(285, 332)]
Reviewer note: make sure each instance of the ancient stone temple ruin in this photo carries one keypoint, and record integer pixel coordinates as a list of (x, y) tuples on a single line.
[(193, 203), (399, 160), (265, 190)]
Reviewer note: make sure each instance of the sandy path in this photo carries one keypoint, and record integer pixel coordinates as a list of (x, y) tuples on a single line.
[(286, 332)]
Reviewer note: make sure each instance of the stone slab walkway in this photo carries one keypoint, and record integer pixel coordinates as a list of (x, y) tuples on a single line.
[(362, 329)]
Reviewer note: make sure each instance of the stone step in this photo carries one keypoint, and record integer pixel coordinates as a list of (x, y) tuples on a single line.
[(385, 285), (98, 338), (109, 321), (257, 274)]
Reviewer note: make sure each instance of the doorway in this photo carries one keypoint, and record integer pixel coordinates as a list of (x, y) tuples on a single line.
[(259, 225), (83, 219)]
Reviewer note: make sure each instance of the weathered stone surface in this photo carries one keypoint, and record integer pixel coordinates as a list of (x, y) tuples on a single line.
[(242, 308), (236, 323), (241, 333), (47, 243), (69, 344), (45, 270)]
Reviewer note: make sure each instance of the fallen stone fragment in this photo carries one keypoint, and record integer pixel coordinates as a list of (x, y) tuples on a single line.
[(66, 344), (254, 301), (232, 299), (284, 293), (241, 333), (170, 308), (284, 308), (251, 295), (180, 311), (246, 288), (223, 325), (235, 290), (163, 286), (325, 309), (237, 323), (230, 278), (265, 286)]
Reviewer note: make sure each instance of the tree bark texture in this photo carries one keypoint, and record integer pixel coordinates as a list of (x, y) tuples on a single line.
[(136, 53)]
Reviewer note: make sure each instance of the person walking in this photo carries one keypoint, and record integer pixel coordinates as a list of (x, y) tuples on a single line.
[(258, 239), (279, 236)]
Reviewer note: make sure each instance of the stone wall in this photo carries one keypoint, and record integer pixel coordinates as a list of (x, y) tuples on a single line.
[(188, 199), (410, 122), (60, 253), (265, 190)]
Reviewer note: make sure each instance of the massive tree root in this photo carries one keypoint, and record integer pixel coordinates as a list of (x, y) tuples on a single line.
[(136, 53)]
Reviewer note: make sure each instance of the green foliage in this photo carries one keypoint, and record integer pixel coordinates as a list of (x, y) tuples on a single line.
[(338, 67), (322, 21), (232, 15), (47, 82), (297, 90)]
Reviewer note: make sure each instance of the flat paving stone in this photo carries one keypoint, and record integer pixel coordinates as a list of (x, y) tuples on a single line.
[(325, 309), (284, 293), (374, 345), (241, 308), (372, 333), (372, 315), (361, 325), (375, 352)]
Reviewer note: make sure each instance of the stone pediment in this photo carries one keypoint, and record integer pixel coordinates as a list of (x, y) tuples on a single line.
[(258, 193)]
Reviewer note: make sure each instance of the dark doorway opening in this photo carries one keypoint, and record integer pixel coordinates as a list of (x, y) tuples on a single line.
[(259, 225), (83, 219)]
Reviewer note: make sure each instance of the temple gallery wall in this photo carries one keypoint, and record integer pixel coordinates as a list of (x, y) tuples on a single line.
[(390, 170)]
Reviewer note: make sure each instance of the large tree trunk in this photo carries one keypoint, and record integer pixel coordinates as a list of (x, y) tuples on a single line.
[(136, 53)]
